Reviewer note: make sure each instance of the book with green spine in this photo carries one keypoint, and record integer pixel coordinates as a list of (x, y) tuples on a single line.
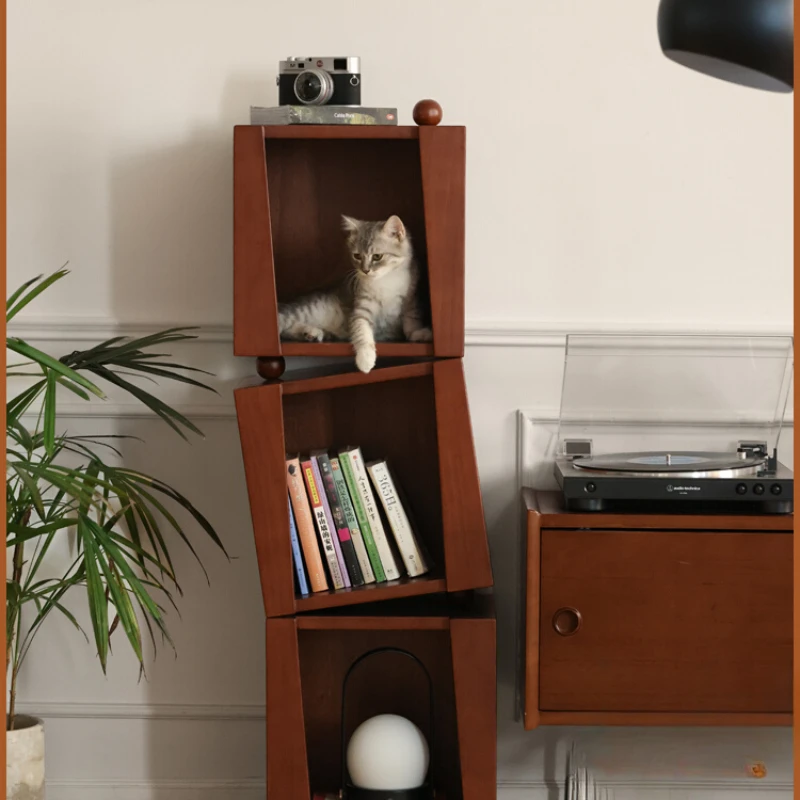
[(361, 516), (352, 521)]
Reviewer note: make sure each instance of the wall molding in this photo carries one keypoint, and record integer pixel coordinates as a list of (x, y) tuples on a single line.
[(148, 711), (479, 333)]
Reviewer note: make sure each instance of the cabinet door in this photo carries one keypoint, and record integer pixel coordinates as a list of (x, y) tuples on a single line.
[(666, 621)]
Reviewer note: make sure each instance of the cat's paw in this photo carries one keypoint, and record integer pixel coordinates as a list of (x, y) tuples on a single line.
[(421, 335), (365, 358), (311, 334)]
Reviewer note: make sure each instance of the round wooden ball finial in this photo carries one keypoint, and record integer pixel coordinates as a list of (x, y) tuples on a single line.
[(427, 112), (270, 368)]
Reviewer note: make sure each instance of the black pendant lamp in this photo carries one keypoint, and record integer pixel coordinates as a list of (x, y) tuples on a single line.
[(749, 42)]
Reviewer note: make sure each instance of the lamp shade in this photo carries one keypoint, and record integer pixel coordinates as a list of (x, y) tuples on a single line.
[(748, 42)]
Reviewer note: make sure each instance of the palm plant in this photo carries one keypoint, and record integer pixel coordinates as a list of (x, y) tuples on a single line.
[(121, 519)]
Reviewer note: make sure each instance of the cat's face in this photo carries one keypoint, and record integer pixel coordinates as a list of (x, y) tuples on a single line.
[(376, 248)]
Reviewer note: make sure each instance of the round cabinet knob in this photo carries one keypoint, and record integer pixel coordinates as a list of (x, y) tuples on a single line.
[(567, 621), (427, 112)]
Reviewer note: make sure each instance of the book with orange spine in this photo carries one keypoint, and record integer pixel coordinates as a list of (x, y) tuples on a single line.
[(305, 526)]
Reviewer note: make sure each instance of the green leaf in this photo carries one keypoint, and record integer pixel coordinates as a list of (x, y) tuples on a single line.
[(95, 592), (50, 413), (24, 349), (31, 486), (13, 308), (18, 405)]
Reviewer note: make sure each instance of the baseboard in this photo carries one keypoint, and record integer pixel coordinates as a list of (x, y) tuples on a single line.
[(532, 790)]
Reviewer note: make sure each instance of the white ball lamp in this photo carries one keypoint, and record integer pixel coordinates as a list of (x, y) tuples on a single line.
[(387, 756), (387, 759)]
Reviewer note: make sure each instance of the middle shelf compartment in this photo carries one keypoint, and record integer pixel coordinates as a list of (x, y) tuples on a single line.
[(416, 417)]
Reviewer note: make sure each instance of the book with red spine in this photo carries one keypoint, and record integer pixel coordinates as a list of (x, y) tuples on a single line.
[(304, 521), (327, 534), (337, 515)]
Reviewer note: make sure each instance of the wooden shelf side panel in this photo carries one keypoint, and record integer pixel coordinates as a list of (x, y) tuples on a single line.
[(260, 416), (287, 759), (443, 158), (465, 540), (254, 295), (473, 644)]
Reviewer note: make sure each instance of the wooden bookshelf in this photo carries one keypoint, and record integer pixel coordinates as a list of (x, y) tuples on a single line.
[(304, 701), (415, 416), (291, 186)]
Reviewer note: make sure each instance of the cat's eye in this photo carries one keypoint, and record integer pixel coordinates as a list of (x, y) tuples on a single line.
[(377, 257), (357, 256)]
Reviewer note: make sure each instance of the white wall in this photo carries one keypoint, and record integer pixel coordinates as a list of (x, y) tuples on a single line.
[(607, 189)]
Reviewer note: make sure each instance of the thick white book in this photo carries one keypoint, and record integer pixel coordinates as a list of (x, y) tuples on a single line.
[(398, 519), (353, 454)]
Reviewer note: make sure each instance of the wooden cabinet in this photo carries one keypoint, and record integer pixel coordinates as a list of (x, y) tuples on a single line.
[(640, 619)]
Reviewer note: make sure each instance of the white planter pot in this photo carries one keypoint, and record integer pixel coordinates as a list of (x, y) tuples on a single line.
[(25, 760)]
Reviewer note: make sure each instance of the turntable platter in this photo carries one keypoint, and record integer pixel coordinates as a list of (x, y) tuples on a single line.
[(680, 463)]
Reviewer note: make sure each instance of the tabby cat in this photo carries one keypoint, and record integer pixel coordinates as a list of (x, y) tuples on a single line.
[(378, 300)]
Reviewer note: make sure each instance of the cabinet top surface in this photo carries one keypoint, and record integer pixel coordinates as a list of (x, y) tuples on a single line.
[(548, 508)]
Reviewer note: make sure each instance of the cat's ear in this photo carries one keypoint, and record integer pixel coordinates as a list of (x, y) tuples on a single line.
[(394, 227), (349, 225)]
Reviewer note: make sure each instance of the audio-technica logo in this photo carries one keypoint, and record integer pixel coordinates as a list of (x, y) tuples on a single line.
[(683, 489)]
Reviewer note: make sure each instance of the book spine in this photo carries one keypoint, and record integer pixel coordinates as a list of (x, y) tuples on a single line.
[(304, 521), (337, 514), (337, 548), (327, 539), (302, 583), (352, 522), (398, 519), (361, 516), (373, 515)]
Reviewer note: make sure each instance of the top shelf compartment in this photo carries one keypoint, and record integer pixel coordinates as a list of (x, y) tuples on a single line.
[(291, 186)]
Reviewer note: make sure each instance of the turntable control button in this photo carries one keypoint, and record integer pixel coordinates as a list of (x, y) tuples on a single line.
[(591, 487), (758, 488), (741, 488), (776, 488)]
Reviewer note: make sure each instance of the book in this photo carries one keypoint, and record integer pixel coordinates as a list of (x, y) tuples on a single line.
[(304, 521), (339, 522), (404, 536), (352, 522), (330, 542), (302, 583), (356, 462), (322, 115), (361, 516)]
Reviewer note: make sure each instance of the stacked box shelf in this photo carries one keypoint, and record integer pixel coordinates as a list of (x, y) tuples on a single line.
[(291, 185)]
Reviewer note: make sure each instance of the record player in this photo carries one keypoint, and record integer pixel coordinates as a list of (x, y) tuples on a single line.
[(672, 424)]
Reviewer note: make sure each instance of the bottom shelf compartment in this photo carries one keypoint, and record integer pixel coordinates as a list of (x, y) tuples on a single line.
[(309, 656)]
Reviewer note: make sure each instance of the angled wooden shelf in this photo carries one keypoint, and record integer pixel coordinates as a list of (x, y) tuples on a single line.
[(304, 702), (291, 186), (414, 415)]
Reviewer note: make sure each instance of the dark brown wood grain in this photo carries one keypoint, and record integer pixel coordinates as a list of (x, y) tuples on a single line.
[(674, 621), (443, 158), (340, 349), (663, 719), (287, 760), (473, 648), (260, 417), (314, 382), (390, 590), (531, 613), (372, 623), (466, 544), (254, 300)]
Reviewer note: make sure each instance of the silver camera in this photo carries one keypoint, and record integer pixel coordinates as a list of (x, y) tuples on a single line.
[(319, 81)]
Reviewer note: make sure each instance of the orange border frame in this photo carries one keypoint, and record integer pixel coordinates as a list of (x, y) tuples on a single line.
[(3, 358)]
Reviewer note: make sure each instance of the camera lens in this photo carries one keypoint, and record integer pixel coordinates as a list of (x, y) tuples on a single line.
[(313, 87)]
